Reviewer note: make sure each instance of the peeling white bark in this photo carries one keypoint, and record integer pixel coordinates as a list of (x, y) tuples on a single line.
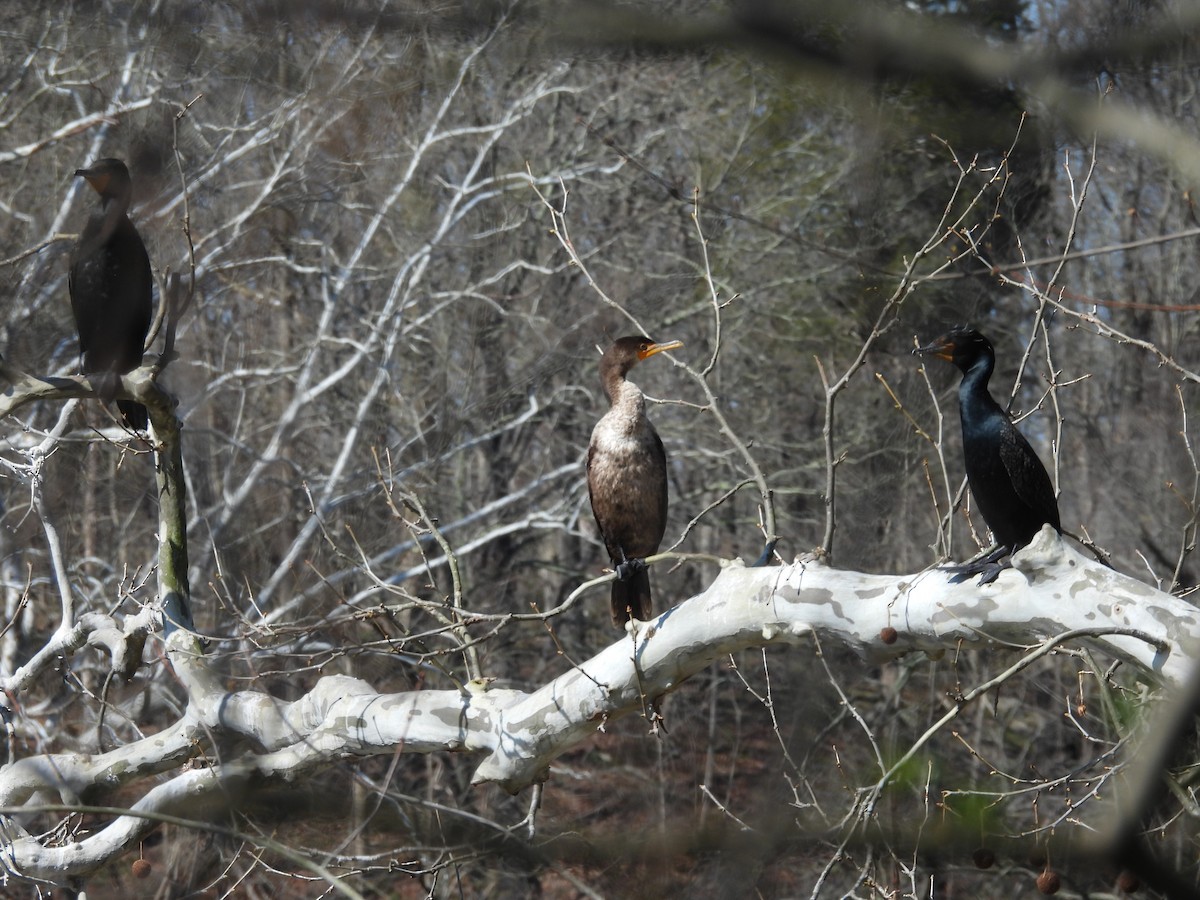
[(1052, 589)]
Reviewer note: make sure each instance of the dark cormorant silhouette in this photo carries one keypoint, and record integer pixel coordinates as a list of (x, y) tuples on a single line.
[(627, 478), (111, 284), (1010, 485)]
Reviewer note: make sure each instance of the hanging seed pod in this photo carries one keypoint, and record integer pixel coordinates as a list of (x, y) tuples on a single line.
[(1128, 882), (1048, 882)]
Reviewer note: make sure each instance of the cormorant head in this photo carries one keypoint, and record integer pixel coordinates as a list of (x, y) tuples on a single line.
[(627, 352), (109, 177), (960, 345)]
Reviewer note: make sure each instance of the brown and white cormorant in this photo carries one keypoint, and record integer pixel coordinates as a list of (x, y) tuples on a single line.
[(111, 285), (627, 477), (1010, 485)]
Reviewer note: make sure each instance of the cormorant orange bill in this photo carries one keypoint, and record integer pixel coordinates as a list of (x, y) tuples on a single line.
[(627, 477), (111, 287), (1011, 487)]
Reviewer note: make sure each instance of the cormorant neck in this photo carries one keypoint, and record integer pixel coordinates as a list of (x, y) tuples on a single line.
[(612, 377), (103, 224), (974, 386), (115, 205), (625, 398), (978, 373)]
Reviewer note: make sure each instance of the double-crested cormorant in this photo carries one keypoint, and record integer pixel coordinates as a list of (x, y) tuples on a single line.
[(1010, 485), (111, 286), (627, 478)]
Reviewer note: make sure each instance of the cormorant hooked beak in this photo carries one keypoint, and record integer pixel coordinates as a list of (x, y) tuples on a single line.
[(98, 180), (942, 349), (650, 349)]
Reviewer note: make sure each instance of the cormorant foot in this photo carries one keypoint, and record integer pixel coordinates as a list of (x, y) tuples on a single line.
[(992, 571), (988, 568), (629, 568)]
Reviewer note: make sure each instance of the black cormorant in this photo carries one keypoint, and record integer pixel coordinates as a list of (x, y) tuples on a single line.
[(111, 284), (627, 478), (1010, 485)]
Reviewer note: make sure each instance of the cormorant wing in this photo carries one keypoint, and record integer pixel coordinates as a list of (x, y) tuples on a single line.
[(1028, 476)]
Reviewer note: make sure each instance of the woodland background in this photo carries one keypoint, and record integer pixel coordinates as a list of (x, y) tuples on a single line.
[(390, 360)]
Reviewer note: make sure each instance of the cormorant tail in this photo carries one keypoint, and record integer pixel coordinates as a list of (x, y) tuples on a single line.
[(632, 596)]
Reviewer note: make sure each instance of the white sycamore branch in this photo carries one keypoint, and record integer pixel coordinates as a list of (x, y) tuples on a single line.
[(1052, 589)]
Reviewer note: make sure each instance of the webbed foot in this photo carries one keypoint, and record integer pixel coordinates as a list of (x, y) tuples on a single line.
[(987, 568)]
